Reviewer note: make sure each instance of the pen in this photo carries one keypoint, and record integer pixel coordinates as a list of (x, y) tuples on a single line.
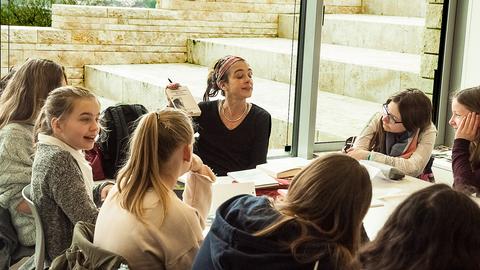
[(169, 80)]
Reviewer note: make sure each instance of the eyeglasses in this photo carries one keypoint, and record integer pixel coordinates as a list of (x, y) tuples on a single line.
[(391, 118)]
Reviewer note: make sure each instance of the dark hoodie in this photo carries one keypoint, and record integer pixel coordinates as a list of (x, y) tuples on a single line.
[(230, 243)]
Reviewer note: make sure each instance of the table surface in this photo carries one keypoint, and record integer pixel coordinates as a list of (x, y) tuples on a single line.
[(389, 193)]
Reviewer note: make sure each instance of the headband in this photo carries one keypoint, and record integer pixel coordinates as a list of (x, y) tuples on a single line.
[(227, 63)]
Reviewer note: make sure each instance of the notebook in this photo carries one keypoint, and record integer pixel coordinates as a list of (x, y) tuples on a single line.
[(225, 190)]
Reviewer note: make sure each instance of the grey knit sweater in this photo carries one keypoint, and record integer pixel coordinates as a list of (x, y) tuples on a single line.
[(16, 157), (59, 192)]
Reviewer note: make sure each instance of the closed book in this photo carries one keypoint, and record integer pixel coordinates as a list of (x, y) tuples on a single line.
[(182, 99), (284, 167)]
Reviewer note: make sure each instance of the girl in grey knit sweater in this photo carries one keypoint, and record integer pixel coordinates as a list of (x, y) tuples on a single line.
[(62, 180), (20, 103)]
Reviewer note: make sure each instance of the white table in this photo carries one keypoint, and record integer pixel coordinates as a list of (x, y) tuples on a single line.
[(391, 194)]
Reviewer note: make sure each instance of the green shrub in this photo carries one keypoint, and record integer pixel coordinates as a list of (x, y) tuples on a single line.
[(39, 12), (29, 12)]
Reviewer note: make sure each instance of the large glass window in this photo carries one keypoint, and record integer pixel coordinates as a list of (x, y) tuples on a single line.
[(370, 51)]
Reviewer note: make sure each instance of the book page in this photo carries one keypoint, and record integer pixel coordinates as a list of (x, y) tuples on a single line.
[(182, 99), (261, 179), (276, 167)]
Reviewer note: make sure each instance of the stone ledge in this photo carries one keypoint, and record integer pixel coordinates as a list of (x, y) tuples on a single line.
[(216, 15), (415, 8), (225, 6), (80, 11)]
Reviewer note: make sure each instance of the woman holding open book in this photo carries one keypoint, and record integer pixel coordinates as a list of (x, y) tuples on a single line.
[(316, 226), (233, 133), (402, 136)]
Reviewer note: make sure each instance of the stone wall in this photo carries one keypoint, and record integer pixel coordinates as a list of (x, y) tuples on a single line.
[(88, 35), (431, 43)]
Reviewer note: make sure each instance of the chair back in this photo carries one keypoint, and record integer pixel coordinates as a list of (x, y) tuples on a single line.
[(40, 238)]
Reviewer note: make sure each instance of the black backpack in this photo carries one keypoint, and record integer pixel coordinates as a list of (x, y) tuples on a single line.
[(119, 123)]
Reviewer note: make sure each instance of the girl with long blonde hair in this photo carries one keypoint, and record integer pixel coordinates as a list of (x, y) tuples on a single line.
[(142, 219), (20, 103)]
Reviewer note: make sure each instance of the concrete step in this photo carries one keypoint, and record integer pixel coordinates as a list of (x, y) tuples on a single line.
[(390, 33), (231, 6), (410, 8), (145, 84), (356, 72)]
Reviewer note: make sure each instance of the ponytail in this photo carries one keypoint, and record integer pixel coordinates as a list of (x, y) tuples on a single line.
[(212, 87), (157, 136)]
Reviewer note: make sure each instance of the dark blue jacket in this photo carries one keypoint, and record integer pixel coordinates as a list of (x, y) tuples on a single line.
[(230, 243)]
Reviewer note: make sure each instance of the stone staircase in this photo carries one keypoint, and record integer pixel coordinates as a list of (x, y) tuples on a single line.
[(365, 57)]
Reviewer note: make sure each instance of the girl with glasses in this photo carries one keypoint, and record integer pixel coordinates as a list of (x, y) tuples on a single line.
[(466, 151), (402, 136)]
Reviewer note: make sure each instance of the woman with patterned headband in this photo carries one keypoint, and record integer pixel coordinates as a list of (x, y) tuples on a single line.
[(233, 133)]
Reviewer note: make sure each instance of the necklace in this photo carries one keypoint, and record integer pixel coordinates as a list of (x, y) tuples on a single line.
[(233, 120)]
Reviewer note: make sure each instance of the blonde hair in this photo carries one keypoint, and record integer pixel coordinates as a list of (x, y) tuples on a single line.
[(153, 142), (27, 90), (59, 104), (327, 201)]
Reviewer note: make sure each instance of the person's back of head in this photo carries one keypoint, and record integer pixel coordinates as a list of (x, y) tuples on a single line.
[(415, 108), (154, 141), (27, 90), (328, 200), (435, 228)]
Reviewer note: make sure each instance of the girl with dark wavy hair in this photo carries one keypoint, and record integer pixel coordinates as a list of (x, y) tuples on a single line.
[(436, 228), (402, 136)]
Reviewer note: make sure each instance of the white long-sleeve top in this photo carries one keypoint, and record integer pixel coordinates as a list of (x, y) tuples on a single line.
[(412, 166)]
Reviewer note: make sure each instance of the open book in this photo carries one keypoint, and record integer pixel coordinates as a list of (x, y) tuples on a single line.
[(284, 167), (182, 99), (258, 177)]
